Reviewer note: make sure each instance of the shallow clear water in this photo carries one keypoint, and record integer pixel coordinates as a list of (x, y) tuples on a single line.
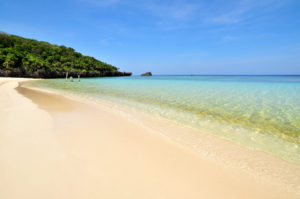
[(261, 112)]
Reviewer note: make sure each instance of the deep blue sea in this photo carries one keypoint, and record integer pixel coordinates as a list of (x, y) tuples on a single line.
[(261, 112)]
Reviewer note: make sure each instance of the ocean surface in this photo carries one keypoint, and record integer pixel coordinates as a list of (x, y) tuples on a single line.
[(261, 112)]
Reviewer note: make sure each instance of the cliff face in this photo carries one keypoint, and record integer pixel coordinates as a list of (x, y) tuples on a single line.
[(21, 57)]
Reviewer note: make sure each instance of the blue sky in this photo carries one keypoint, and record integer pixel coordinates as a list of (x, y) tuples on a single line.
[(168, 36)]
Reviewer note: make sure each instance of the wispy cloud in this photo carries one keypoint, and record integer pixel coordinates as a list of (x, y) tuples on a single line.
[(229, 38), (242, 10), (101, 3), (173, 10), (197, 12), (105, 42)]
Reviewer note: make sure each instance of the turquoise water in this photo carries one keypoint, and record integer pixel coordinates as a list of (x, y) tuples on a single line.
[(261, 112)]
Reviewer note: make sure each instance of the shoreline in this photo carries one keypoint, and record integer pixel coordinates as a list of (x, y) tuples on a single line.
[(256, 163), (155, 151)]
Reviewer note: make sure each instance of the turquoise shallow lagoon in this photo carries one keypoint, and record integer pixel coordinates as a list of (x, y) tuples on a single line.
[(261, 112)]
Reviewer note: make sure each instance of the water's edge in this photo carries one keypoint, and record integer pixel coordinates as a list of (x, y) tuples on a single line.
[(259, 165), (261, 113)]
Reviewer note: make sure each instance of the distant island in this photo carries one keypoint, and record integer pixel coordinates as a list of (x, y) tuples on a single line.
[(22, 57), (147, 74)]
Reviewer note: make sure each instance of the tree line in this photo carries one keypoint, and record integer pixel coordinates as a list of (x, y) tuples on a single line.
[(21, 57)]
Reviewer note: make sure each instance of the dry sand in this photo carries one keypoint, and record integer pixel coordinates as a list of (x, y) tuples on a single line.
[(53, 147)]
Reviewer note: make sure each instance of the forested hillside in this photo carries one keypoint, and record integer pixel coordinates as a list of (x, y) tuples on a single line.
[(21, 57)]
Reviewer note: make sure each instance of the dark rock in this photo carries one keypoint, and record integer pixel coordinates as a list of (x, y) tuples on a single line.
[(147, 74)]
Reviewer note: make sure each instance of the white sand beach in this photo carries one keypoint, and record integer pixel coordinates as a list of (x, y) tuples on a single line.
[(55, 147)]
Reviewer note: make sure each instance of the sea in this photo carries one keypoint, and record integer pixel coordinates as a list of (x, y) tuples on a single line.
[(259, 112)]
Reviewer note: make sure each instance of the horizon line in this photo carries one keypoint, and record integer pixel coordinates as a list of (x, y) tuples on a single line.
[(221, 75)]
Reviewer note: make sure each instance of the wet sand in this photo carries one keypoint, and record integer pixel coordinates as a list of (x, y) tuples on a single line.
[(55, 147)]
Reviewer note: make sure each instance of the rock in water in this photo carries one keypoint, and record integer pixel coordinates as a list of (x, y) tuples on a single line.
[(147, 74)]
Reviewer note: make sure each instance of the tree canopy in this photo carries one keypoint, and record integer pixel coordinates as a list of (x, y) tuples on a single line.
[(21, 57)]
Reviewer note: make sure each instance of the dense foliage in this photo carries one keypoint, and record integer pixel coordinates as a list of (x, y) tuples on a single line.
[(21, 57)]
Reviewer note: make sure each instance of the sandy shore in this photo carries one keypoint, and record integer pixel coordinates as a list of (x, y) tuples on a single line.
[(54, 147)]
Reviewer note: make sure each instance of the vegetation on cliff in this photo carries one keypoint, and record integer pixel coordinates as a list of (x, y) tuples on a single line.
[(21, 57)]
